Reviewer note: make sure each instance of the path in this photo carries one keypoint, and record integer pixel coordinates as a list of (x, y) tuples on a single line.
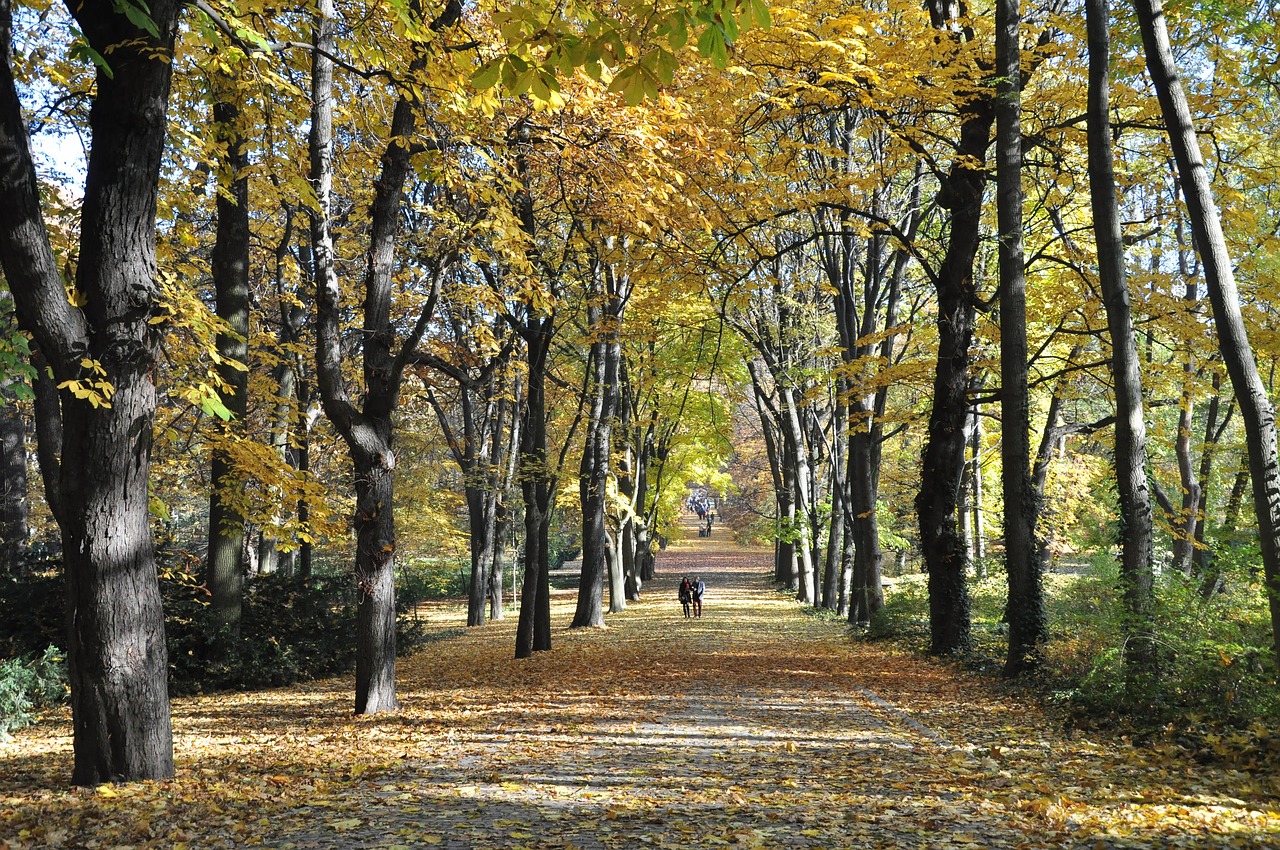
[(759, 725)]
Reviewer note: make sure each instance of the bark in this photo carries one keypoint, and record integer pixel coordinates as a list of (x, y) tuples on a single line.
[(481, 412), (1256, 408), (116, 650), (14, 505), (1028, 629), (836, 530), (599, 558), (1131, 459), (230, 267)]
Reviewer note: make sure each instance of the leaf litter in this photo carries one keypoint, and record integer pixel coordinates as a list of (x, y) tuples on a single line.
[(757, 726)]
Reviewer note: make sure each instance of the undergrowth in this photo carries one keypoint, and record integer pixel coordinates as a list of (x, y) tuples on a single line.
[(1215, 669)]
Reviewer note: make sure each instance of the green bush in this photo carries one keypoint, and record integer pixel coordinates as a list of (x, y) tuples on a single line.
[(428, 578), (28, 684), (1213, 656)]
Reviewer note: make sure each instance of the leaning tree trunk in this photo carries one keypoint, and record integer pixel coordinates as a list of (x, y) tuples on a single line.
[(1028, 629), (117, 659), (1136, 546), (1255, 404)]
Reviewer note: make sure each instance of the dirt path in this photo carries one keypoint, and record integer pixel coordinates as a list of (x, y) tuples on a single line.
[(759, 725)]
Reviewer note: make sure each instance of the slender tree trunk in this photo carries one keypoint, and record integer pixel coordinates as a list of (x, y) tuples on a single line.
[(230, 265), (533, 632), (1255, 404), (839, 495), (14, 505), (592, 478), (797, 453), (1028, 629), (1131, 455)]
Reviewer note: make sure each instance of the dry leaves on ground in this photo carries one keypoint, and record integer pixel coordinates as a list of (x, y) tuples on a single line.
[(758, 725)]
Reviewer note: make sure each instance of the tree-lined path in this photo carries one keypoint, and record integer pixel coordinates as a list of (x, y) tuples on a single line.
[(759, 725)]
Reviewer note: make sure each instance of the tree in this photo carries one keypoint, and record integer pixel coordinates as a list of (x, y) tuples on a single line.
[(230, 268), (1256, 408), (368, 428), (1131, 431), (1027, 626), (101, 345)]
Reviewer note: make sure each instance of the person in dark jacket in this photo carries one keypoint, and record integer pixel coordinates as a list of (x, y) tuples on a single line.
[(686, 594)]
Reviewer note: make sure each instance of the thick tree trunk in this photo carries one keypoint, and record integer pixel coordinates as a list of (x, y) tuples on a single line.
[(1256, 408), (375, 575), (117, 658), (230, 266), (1028, 629), (1131, 454)]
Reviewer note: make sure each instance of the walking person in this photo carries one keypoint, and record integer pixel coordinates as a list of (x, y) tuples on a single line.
[(698, 590), (686, 595)]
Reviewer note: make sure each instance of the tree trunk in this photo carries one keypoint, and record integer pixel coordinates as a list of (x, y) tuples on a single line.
[(230, 266), (1255, 404), (533, 632), (592, 481), (117, 658), (1131, 454), (375, 575), (1027, 626), (796, 455)]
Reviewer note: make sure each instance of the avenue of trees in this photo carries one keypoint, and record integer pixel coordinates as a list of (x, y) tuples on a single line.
[(356, 287)]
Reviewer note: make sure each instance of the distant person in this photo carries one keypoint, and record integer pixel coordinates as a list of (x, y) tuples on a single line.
[(686, 595), (698, 590), (707, 530)]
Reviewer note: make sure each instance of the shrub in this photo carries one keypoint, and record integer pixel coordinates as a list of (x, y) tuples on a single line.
[(431, 578), (1213, 655), (28, 684)]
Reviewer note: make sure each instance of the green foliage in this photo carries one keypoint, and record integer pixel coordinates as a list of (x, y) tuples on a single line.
[(431, 578), (29, 683), (289, 632), (1215, 661), (1214, 658), (905, 615)]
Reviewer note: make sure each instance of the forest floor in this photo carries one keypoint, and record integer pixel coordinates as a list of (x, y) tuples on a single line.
[(758, 725)]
